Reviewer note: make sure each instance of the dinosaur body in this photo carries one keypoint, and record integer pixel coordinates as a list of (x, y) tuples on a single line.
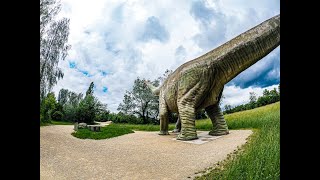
[(198, 84)]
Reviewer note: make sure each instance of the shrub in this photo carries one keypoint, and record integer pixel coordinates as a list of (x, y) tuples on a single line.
[(58, 116), (102, 117), (70, 113)]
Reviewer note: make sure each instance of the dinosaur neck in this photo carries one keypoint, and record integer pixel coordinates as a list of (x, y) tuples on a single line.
[(246, 49)]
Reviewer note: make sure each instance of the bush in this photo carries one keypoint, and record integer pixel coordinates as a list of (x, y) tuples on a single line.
[(102, 117), (43, 120), (132, 119), (154, 121), (70, 113), (122, 118), (58, 116), (89, 108), (47, 107)]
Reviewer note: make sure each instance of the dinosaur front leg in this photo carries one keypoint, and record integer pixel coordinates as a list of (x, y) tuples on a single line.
[(164, 118), (220, 126), (187, 117), (177, 126)]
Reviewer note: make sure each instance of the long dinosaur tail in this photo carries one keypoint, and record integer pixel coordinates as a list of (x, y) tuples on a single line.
[(155, 90)]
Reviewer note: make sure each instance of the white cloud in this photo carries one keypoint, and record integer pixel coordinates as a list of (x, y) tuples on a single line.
[(105, 37), (234, 95)]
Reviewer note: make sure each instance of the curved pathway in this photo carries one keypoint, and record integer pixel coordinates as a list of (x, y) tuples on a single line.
[(139, 155)]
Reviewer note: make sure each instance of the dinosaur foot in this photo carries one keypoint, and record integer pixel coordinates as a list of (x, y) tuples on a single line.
[(163, 133), (187, 138), (218, 133), (176, 131)]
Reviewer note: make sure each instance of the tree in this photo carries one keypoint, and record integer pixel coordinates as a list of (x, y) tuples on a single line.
[(140, 101), (75, 98), (53, 44), (86, 110), (90, 89), (63, 96), (70, 108), (266, 92), (48, 107), (274, 96), (227, 108), (166, 74), (253, 97), (90, 107)]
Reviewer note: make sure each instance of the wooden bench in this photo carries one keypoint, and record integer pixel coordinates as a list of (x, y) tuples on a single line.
[(95, 128)]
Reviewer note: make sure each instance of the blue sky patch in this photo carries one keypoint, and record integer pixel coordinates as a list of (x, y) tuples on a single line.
[(200, 12), (105, 89), (154, 30), (86, 73), (72, 65), (180, 51), (117, 13), (264, 75), (110, 46), (104, 73)]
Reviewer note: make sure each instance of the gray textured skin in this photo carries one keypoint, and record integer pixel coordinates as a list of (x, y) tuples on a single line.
[(198, 84)]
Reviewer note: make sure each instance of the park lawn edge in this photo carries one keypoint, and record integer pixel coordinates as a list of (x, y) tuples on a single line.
[(107, 132), (261, 151)]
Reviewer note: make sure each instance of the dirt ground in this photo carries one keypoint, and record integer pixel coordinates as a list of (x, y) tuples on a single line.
[(139, 155)]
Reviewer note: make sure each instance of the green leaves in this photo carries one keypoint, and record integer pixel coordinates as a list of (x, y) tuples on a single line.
[(53, 45), (140, 101), (90, 107), (112, 130), (90, 89), (47, 107), (73, 107)]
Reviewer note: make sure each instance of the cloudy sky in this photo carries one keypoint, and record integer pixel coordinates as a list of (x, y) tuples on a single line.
[(115, 41)]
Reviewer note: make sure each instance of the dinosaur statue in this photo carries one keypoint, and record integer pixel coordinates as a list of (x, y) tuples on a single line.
[(198, 84), (156, 91), (177, 128)]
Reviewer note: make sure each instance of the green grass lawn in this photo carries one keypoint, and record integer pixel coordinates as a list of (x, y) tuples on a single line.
[(146, 127), (61, 123), (112, 130), (56, 123), (260, 158)]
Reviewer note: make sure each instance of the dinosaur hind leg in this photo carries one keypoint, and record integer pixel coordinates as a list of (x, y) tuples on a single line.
[(220, 126), (187, 117)]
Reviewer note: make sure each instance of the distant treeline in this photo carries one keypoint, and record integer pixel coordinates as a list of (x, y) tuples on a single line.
[(72, 107), (268, 97)]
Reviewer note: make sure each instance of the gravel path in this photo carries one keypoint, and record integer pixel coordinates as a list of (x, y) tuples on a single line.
[(139, 155)]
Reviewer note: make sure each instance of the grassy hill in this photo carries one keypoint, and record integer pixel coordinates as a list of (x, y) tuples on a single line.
[(260, 158)]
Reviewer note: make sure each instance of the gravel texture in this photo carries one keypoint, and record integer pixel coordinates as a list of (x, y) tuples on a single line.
[(139, 155)]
